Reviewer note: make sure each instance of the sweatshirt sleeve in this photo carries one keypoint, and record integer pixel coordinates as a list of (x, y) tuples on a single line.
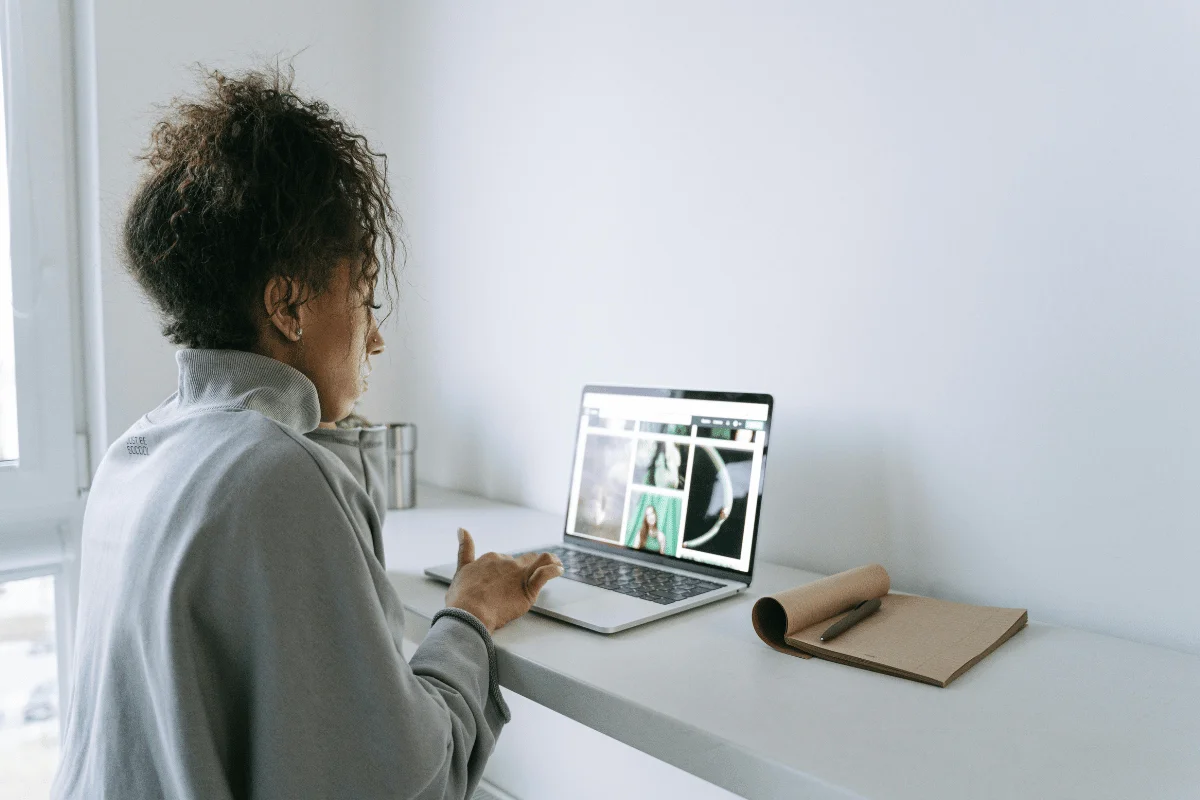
[(363, 452), (329, 705)]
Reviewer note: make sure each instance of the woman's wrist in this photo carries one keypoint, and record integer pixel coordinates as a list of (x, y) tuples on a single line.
[(475, 611)]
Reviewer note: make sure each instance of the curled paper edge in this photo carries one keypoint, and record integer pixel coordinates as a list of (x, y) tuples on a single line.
[(783, 613)]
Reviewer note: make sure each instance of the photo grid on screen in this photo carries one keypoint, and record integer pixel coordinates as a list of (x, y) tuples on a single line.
[(682, 490)]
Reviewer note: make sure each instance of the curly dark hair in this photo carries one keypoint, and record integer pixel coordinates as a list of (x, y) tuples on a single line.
[(246, 182)]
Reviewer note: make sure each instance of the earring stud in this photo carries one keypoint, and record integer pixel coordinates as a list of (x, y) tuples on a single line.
[(299, 333)]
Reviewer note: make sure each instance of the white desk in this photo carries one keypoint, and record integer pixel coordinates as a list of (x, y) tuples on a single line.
[(1053, 713)]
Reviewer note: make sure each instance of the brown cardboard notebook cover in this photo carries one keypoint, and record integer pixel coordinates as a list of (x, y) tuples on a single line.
[(919, 638)]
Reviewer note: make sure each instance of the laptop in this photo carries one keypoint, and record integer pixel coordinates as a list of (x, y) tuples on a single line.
[(663, 509)]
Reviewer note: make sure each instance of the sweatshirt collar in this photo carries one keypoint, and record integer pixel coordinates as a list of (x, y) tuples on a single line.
[(238, 379)]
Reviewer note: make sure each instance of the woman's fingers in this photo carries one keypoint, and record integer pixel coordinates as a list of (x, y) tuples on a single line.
[(529, 560), (541, 575), (544, 567), (466, 548)]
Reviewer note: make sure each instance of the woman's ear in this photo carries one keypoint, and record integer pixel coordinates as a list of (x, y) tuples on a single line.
[(279, 301)]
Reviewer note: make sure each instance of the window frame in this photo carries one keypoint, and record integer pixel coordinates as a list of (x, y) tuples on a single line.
[(39, 120), (47, 66)]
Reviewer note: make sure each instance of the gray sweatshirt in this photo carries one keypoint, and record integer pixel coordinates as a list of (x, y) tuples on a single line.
[(237, 634)]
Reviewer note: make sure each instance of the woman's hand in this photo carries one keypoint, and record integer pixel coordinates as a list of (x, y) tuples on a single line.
[(497, 588)]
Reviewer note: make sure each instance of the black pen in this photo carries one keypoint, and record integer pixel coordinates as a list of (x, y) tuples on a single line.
[(857, 614)]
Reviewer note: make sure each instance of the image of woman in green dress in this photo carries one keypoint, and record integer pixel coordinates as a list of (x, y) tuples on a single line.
[(649, 537), (654, 522)]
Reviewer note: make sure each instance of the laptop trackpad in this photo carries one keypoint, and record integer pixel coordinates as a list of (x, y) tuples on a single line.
[(559, 592)]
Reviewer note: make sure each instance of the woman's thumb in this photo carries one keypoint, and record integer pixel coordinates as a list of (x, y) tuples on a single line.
[(466, 548)]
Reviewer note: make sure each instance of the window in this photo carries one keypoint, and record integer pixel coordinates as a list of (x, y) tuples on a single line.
[(29, 694), (43, 459), (8, 376), (38, 349)]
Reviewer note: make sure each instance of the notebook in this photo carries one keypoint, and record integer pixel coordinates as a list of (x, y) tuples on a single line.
[(918, 638)]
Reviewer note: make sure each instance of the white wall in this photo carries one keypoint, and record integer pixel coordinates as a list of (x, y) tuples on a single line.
[(145, 50), (958, 242)]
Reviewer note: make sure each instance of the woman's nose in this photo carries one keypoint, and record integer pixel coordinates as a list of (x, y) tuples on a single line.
[(375, 343)]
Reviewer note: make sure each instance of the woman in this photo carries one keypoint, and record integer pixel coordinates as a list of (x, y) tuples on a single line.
[(237, 634), (648, 532)]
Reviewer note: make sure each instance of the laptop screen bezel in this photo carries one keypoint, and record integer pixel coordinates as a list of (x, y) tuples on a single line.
[(675, 562)]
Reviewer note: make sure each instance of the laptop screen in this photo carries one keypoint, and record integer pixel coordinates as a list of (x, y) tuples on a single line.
[(671, 472)]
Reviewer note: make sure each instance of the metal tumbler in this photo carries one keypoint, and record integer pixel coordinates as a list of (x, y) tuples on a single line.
[(402, 465)]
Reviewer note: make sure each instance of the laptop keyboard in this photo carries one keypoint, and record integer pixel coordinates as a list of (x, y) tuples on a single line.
[(635, 580)]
